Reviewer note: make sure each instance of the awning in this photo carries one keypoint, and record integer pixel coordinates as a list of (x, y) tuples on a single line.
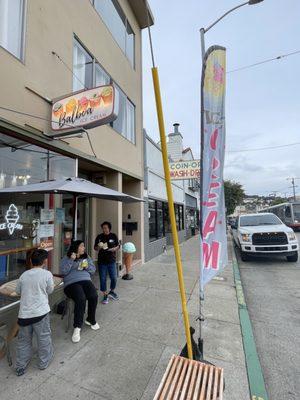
[(76, 186)]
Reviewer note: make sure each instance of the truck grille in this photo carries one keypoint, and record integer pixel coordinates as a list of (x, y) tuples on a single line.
[(269, 238)]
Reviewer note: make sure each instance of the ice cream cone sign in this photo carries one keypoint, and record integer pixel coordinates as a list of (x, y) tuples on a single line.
[(11, 217)]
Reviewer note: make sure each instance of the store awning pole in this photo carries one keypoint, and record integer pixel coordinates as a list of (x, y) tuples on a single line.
[(75, 216), (163, 141)]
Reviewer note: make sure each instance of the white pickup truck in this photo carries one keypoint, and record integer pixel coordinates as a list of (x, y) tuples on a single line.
[(265, 233)]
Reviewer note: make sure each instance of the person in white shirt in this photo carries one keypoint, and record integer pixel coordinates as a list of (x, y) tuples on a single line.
[(34, 286)]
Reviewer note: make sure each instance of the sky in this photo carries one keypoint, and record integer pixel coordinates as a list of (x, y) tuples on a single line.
[(262, 103)]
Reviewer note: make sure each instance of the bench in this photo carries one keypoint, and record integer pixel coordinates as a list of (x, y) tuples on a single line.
[(186, 379)]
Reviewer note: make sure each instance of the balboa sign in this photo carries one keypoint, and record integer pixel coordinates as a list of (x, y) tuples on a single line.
[(88, 108), (185, 169)]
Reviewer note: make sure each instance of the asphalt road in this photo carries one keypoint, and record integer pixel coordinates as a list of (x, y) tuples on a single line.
[(272, 291)]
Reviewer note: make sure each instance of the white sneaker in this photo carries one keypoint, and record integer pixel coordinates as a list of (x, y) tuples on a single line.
[(76, 335), (95, 327)]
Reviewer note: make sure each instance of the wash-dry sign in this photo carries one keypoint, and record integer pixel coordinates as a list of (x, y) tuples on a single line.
[(86, 109), (212, 219), (185, 170), (11, 220)]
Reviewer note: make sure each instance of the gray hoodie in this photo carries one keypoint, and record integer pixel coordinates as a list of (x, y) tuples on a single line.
[(76, 271)]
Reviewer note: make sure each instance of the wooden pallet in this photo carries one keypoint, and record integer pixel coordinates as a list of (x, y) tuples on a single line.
[(190, 380)]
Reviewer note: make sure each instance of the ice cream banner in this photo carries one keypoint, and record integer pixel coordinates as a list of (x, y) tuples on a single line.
[(185, 169), (214, 255), (87, 108)]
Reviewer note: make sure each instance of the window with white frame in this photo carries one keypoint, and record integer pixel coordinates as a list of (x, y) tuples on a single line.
[(88, 73), (82, 68), (125, 123), (117, 23), (12, 26)]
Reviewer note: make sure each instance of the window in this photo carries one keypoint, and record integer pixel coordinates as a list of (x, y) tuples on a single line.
[(12, 26), (288, 213), (88, 73), (125, 123), (156, 219), (116, 21), (101, 77), (160, 219), (152, 219), (82, 68)]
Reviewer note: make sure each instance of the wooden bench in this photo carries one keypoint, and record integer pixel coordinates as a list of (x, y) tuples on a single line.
[(187, 379)]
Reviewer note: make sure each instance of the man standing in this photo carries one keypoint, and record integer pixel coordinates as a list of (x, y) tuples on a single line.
[(107, 244)]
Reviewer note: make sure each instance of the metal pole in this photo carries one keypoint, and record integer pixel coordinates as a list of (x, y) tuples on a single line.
[(202, 32), (171, 209), (294, 188), (201, 295), (162, 132)]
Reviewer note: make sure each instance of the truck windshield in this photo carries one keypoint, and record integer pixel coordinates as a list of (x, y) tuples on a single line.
[(296, 209), (255, 220)]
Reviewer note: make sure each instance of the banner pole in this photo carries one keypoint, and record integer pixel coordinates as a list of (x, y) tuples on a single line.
[(201, 292), (171, 209)]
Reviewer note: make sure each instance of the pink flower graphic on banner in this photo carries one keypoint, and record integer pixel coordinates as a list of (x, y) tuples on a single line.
[(218, 73)]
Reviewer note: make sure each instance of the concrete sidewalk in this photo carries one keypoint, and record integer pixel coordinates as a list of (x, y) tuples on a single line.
[(126, 359)]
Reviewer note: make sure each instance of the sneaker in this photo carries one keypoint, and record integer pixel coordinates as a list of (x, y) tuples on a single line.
[(105, 299), (113, 295), (127, 277), (95, 327), (20, 371), (76, 335)]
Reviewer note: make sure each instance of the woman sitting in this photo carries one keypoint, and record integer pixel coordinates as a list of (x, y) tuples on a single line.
[(77, 268)]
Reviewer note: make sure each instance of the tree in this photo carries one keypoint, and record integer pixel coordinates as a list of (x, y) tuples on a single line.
[(234, 195), (278, 200)]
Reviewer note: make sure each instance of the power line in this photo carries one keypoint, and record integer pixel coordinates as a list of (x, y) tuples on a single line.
[(264, 61), (70, 69), (264, 148)]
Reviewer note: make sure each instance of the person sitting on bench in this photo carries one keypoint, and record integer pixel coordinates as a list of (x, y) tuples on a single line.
[(77, 268)]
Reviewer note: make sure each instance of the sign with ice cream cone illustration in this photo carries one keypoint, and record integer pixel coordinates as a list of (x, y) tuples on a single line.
[(86, 109), (11, 217)]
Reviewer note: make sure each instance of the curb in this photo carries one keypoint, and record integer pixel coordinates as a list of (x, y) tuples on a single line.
[(256, 381)]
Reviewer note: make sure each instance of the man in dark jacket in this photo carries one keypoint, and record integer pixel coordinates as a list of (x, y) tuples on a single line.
[(107, 243)]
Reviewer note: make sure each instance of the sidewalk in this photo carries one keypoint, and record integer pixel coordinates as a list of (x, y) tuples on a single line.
[(126, 359)]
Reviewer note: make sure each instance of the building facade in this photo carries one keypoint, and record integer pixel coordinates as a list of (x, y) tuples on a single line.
[(185, 193), (56, 48)]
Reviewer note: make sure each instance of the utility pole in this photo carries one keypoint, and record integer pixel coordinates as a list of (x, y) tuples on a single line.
[(293, 186)]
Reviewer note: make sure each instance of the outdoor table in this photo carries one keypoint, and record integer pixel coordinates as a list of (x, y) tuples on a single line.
[(9, 308)]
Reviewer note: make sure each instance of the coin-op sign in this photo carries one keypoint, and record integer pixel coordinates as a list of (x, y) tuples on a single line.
[(185, 170), (86, 109)]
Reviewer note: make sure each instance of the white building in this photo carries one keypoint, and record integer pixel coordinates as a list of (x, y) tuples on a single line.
[(185, 193)]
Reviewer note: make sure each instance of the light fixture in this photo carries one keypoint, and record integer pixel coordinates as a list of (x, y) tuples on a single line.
[(252, 2)]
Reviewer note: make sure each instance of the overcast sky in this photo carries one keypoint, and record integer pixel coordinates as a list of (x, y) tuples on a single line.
[(262, 103)]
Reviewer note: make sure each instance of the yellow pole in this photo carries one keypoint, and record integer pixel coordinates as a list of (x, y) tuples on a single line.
[(163, 141)]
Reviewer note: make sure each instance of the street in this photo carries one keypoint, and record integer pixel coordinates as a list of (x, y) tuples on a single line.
[(272, 290)]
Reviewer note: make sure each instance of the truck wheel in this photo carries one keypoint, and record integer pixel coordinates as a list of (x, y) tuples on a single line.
[(293, 258), (244, 256)]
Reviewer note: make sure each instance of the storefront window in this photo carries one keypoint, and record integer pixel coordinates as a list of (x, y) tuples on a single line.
[(160, 219), (12, 26), (29, 221), (152, 219)]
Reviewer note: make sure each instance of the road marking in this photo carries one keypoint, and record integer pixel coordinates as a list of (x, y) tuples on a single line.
[(256, 381)]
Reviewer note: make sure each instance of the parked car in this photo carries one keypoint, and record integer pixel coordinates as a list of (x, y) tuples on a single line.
[(264, 234)]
